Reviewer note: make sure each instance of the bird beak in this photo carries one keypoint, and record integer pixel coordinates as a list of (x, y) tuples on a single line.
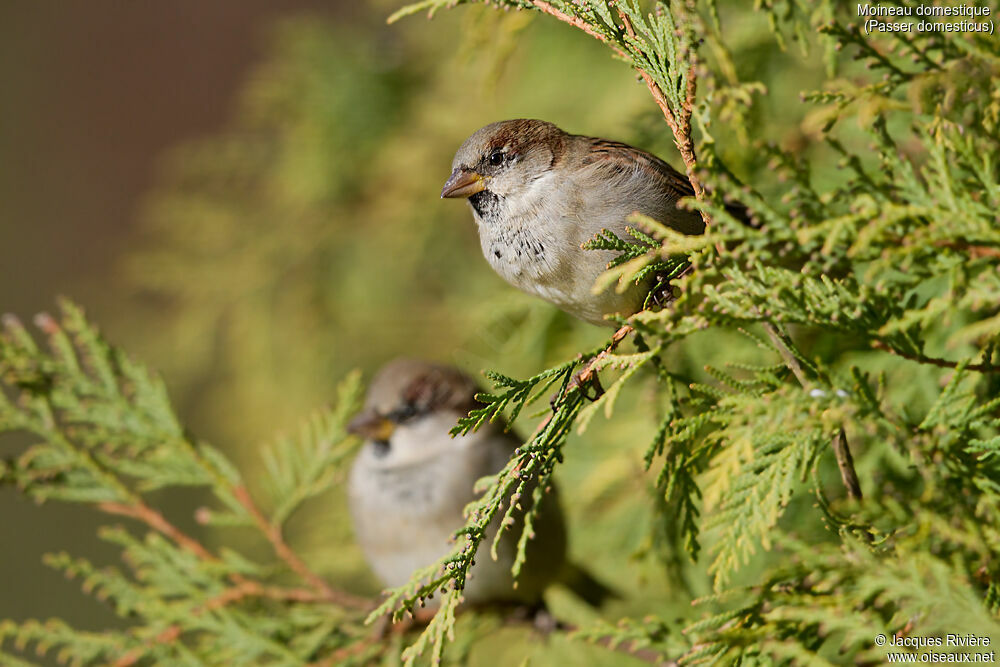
[(462, 183), (371, 426)]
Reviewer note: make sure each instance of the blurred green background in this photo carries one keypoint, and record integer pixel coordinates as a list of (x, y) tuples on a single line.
[(246, 198)]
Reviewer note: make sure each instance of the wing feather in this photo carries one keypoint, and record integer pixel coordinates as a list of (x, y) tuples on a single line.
[(620, 158)]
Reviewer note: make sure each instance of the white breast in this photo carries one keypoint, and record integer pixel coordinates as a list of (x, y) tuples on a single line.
[(534, 244), (407, 506)]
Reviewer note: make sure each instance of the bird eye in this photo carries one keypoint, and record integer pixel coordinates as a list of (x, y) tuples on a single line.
[(496, 158), (403, 413)]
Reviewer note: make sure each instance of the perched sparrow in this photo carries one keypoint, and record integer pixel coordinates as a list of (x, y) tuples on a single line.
[(411, 481), (538, 193)]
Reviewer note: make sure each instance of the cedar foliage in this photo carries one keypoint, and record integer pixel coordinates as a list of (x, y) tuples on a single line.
[(836, 476)]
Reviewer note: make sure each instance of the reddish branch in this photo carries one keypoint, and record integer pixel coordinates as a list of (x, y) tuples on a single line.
[(588, 373), (581, 379), (243, 588), (273, 534), (249, 588), (975, 251), (158, 522), (933, 361), (166, 637), (577, 22), (679, 125)]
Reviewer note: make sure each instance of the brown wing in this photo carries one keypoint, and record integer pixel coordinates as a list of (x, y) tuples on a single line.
[(621, 158)]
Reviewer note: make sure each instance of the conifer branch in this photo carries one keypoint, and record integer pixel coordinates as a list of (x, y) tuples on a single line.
[(588, 373), (105, 434), (168, 636), (786, 354), (152, 518), (248, 588), (985, 367), (273, 534), (841, 450), (579, 23), (680, 123), (845, 462)]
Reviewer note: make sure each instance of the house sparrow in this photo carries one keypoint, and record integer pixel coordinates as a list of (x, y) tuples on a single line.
[(411, 482), (538, 193)]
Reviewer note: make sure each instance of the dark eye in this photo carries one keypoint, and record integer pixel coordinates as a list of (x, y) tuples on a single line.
[(403, 413), (496, 158)]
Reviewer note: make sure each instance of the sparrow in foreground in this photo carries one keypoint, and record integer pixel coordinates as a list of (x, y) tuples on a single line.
[(538, 193), (411, 482)]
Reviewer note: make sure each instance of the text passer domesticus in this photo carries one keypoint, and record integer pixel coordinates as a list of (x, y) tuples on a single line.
[(411, 482), (538, 193)]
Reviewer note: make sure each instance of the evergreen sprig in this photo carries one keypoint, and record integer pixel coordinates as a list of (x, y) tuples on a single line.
[(638, 262), (896, 259), (106, 434), (840, 463)]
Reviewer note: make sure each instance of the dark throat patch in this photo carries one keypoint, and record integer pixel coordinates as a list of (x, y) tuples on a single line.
[(486, 205)]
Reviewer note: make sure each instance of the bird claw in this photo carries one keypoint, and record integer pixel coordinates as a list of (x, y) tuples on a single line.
[(592, 383), (664, 293), (589, 386)]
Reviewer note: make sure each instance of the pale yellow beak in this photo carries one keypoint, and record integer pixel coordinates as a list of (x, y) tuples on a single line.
[(371, 426), (462, 183)]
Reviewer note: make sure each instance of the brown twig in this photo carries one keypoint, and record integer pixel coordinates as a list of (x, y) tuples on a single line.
[(933, 361), (159, 523), (244, 588), (786, 354), (131, 657), (846, 464), (841, 450), (975, 251), (273, 534), (587, 374), (577, 22), (249, 588), (680, 124), (582, 378)]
